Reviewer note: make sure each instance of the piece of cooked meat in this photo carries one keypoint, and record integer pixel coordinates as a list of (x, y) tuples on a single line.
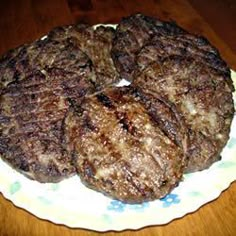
[(203, 98), (165, 114), (96, 42), (39, 84), (132, 34), (40, 55), (186, 45), (141, 40), (119, 150)]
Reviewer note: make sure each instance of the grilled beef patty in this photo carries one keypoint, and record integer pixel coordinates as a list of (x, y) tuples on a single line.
[(132, 34), (32, 114), (38, 83), (202, 97), (183, 69), (141, 40), (120, 150), (185, 45), (96, 43)]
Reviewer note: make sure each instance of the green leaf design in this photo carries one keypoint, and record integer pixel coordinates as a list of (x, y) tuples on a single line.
[(15, 187), (107, 218), (232, 142), (226, 164), (44, 200), (195, 194), (54, 187)]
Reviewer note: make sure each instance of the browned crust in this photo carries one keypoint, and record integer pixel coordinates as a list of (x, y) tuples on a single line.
[(120, 150)]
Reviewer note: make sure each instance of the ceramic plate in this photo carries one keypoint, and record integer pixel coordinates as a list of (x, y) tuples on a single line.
[(71, 203)]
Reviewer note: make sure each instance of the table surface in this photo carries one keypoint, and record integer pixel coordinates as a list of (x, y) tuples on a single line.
[(24, 21)]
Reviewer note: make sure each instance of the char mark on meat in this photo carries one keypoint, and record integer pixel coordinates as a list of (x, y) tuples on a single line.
[(199, 94), (127, 156)]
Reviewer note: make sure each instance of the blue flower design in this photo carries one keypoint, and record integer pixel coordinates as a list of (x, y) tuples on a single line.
[(117, 206), (170, 199), (139, 207)]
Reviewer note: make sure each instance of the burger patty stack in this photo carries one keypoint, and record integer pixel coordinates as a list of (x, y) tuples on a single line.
[(62, 113)]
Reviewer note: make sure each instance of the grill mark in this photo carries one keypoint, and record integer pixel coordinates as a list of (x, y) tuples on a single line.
[(75, 106), (32, 103), (42, 124), (106, 142), (144, 99), (105, 100), (170, 130), (122, 117), (126, 124), (190, 47), (35, 113), (129, 177), (38, 103), (129, 128), (87, 124), (38, 90)]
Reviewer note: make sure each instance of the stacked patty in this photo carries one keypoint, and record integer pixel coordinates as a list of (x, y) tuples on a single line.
[(187, 72), (61, 112), (201, 97), (40, 83), (120, 150)]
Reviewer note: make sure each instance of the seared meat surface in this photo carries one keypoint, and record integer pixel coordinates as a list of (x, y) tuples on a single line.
[(141, 40), (39, 81), (96, 43), (120, 150), (32, 113), (202, 97), (185, 70), (185, 45), (132, 34)]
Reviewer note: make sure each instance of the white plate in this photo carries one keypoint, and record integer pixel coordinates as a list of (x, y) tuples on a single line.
[(71, 203)]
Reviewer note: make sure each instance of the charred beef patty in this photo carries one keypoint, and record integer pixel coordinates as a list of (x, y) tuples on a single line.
[(118, 149), (132, 33), (202, 97), (20, 63), (39, 83), (96, 43), (139, 49), (140, 40), (186, 45)]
